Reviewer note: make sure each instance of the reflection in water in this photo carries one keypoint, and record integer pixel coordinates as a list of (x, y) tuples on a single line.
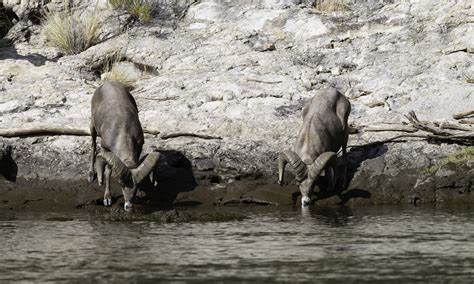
[(274, 243)]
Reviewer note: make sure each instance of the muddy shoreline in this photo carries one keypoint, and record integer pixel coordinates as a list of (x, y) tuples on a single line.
[(50, 195), (36, 177)]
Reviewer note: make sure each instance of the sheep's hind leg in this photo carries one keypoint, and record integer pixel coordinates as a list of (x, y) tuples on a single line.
[(107, 195)]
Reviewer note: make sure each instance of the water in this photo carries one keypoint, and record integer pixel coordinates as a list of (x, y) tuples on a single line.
[(395, 244)]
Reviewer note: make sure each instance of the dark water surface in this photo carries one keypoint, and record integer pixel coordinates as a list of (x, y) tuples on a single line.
[(395, 244)]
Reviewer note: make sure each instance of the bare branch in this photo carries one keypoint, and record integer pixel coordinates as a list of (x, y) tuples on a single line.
[(463, 114), (44, 131), (395, 128), (48, 130), (389, 140), (466, 121), (447, 125), (424, 125), (186, 134)]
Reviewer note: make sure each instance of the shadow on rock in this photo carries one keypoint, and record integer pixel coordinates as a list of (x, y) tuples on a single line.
[(174, 175), (7, 16), (9, 52), (12, 29), (8, 167), (355, 157)]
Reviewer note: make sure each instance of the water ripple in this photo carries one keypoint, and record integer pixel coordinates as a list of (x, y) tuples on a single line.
[(275, 244)]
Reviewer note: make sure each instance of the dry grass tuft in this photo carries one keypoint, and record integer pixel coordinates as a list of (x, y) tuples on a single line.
[(331, 6), (70, 31), (112, 71)]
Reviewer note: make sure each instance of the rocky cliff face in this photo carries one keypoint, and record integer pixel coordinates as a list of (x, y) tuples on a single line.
[(241, 73)]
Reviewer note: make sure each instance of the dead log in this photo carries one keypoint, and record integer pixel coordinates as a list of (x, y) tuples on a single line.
[(44, 131), (79, 131), (425, 125), (54, 130), (452, 126), (466, 121), (463, 114), (438, 132)]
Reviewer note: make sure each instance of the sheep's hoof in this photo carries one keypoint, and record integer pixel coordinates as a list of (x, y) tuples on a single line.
[(128, 206), (91, 177), (107, 202)]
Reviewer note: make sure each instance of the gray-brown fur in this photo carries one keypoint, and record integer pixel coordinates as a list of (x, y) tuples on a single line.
[(324, 131), (115, 120)]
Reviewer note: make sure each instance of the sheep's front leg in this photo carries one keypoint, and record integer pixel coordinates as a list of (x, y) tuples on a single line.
[(330, 177), (343, 174), (107, 194), (91, 176)]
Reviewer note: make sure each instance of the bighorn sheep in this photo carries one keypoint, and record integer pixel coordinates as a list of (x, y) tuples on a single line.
[(324, 132), (115, 120)]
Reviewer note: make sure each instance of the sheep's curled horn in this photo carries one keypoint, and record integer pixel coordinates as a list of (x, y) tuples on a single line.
[(302, 170), (130, 177)]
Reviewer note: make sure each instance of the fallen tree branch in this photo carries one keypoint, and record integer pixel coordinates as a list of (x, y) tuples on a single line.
[(462, 139), (151, 131), (391, 139), (158, 99), (79, 131), (466, 121), (264, 82), (44, 131), (395, 128), (447, 125), (186, 134), (425, 125), (438, 132), (463, 114), (467, 139), (54, 130)]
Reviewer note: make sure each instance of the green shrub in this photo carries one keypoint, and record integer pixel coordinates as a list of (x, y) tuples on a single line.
[(331, 5), (70, 31), (139, 9)]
